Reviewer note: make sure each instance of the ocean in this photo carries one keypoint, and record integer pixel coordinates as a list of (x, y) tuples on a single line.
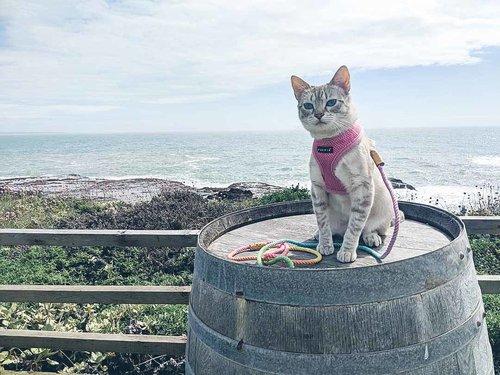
[(439, 162)]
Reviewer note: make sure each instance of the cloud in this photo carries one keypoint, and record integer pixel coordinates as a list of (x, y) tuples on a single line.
[(180, 99), (97, 54), (20, 111)]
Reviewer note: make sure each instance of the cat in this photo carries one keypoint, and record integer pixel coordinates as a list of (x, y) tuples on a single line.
[(362, 205)]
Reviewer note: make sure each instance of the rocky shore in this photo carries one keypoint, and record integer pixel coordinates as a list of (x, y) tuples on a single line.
[(128, 189), (136, 189)]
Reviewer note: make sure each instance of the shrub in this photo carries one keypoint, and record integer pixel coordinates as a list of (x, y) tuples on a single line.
[(484, 202), (486, 250), (32, 210), (294, 193), (168, 210), (95, 265)]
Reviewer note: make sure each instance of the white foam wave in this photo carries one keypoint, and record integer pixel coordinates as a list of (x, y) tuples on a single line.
[(490, 160), (449, 197)]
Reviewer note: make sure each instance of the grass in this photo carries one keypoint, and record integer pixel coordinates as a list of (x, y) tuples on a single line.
[(26, 210), (138, 266)]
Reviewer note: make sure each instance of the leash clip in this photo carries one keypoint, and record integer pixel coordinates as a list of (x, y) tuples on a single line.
[(376, 158)]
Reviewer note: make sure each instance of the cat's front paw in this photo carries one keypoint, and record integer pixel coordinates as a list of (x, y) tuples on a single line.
[(346, 256), (372, 239), (325, 248)]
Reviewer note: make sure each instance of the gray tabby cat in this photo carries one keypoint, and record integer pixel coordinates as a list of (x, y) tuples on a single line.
[(367, 209)]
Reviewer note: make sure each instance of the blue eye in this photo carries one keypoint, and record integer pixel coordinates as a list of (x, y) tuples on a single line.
[(308, 106), (331, 102)]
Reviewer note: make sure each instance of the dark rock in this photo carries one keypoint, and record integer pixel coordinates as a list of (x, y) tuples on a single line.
[(400, 184), (258, 189), (231, 193)]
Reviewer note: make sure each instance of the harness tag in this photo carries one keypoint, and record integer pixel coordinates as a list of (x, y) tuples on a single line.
[(324, 149)]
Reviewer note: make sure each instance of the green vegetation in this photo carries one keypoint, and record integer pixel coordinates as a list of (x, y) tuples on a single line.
[(36, 211), (158, 320), (95, 265), (99, 266), (135, 266), (294, 193), (486, 251), (486, 254)]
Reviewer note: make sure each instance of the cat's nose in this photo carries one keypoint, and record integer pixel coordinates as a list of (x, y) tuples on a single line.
[(319, 115)]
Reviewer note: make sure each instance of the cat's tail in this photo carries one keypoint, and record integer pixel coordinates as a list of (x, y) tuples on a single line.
[(401, 218), (314, 238)]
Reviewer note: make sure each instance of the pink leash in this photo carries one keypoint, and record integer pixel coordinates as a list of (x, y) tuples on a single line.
[(380, 164)]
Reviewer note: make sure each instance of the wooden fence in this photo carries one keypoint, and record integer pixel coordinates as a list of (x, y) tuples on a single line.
[(146, 344)]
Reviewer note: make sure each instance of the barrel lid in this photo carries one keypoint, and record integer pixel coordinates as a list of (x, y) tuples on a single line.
[(432, 249), (416, 237)]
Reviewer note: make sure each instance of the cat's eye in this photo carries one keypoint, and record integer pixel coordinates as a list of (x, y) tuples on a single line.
[(331, 102), (308, 106)]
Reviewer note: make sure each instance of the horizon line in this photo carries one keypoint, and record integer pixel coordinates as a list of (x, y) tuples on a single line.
[(225, 130)]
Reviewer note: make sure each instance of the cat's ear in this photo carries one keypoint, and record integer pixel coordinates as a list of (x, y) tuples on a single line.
[(342, 79), (299, 85)]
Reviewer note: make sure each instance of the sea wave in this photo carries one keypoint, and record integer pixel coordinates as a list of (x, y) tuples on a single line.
[(448, 197), (489, 160)]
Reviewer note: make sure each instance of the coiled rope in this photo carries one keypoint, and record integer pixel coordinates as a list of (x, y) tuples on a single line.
[(273, 252)]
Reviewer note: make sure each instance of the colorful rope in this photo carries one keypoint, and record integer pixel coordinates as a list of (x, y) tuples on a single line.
[(270, 253)]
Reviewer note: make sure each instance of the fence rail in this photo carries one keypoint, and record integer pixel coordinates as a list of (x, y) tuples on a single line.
[(149, 344), (92, 237), (94, 342), (155, 295), (482, 224), (490, 284)]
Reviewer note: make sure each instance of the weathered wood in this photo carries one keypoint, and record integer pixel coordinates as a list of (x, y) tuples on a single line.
[(482, 224), (84, 237), (95, 342), (417, 311), (7, 372), (414, 239), (96, 294), (490, 284)]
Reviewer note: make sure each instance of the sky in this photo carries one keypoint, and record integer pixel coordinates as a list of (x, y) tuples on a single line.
[(148, 66)]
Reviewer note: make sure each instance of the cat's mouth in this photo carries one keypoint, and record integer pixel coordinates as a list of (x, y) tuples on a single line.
[(320, 123)]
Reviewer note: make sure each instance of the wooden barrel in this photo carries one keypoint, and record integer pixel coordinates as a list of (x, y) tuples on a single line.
[(417, 312)]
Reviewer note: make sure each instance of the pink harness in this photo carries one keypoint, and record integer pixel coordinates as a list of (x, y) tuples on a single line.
[(329, 151)]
